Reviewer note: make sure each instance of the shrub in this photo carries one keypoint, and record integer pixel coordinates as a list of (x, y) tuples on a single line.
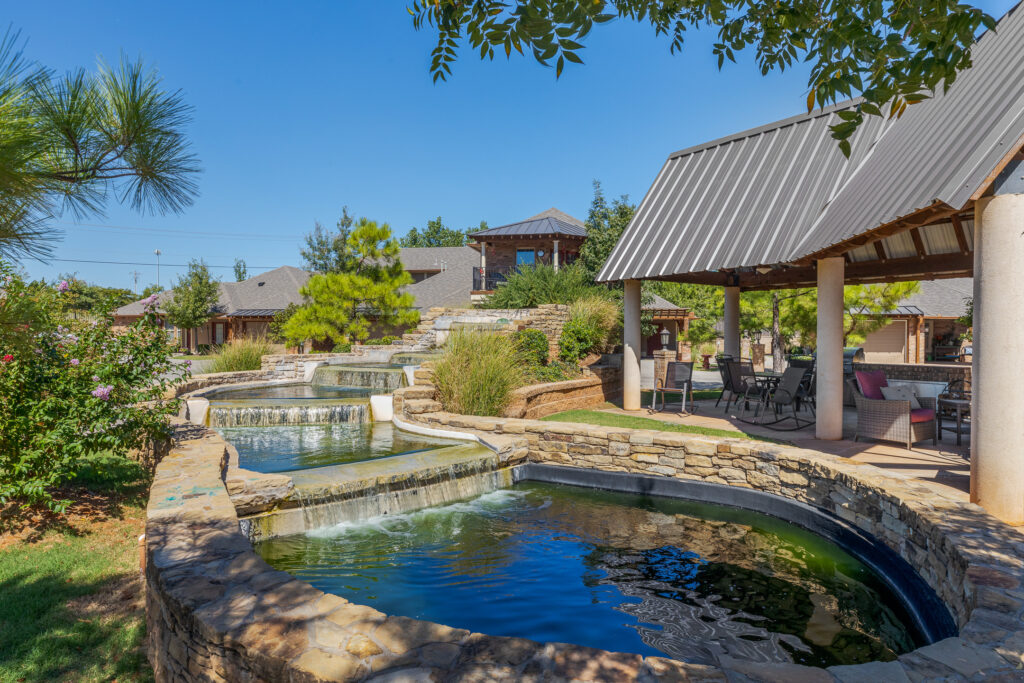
[(342, 347), (533, 344), (478, 372), (245, 353), (592, 328), (531, 286), (556, 371), (380, 341), (68, 393)]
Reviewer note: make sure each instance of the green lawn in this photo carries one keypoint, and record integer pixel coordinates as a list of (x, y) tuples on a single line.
[(70, 592), (698, 395), (602, 419)]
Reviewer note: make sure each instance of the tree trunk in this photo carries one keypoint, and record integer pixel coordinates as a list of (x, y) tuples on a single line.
[(778, 352)]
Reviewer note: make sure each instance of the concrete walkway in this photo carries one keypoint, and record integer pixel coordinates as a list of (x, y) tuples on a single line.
[(944, 464)]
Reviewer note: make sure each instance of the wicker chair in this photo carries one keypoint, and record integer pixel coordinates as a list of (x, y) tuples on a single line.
[(891, 420)]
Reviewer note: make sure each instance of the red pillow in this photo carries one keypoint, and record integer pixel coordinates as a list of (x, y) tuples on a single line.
[(871, 383)]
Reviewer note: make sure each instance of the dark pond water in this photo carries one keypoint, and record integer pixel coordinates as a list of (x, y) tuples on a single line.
[(612, 571), (286, 447), (288, 391)]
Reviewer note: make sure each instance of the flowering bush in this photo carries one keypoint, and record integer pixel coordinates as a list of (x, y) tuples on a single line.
[(70, 392)]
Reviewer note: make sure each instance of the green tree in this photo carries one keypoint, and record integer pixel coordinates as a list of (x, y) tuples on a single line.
[(68, 143), (341, 306), (276, 332), (437, 234), (327, 252), (151, 289), (864, 309), (605, 224), (196, 294), (891, 54), (241, 272), (704, 301), (85, 300)]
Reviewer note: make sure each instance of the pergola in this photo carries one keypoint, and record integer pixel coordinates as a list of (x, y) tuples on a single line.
[(936, 193)]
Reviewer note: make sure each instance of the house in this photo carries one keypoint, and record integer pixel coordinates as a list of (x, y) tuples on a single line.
[(925, 327), (244, 309), (553, 238)]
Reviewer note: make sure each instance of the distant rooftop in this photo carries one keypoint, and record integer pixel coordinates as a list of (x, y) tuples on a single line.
[(551, 222)]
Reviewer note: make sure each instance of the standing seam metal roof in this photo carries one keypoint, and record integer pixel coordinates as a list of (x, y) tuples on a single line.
[(784, 191), (550, 222)]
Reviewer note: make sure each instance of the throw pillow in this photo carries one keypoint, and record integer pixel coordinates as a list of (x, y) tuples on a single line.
[(901, 393), (871, 383)]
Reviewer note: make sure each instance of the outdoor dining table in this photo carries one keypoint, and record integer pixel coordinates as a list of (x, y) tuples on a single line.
[(961, 407)]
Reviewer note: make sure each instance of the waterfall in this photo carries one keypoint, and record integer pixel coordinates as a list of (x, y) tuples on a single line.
[(386, 378), (386, 486), (413, 358), (268, 414)]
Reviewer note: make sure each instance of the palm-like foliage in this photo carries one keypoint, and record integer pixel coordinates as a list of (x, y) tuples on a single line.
[(68, 143)]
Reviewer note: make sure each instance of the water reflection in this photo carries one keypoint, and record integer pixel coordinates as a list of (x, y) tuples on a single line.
[(617, 572)]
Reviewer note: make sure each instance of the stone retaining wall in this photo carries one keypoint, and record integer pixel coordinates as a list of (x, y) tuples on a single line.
[(216, 379), (294, 365), (539, 400), (216, 611)]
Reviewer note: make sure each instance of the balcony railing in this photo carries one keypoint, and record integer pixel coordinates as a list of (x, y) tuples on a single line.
[(488, 279)]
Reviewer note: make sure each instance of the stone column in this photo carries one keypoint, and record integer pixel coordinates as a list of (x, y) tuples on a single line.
[(631, 345), (554, 255), (997, 407), (662, 357), (829, 423), (732, 322)]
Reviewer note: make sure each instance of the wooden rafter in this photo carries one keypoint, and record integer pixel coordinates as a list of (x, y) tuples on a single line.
[(961, 234), (880, 251), (915, 235)]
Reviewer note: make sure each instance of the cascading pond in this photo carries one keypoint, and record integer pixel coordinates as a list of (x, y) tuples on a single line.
[(382, 378), (259, 414)]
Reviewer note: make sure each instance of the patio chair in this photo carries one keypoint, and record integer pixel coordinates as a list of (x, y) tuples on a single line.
[(744, 383), (808, 388), (784, 396), (722, 360), (894, 420), (678, 379)]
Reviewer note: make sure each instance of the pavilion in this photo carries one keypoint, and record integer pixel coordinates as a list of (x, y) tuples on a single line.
[(936, 193)]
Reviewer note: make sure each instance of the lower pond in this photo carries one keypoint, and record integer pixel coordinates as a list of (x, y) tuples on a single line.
[(285, 448), (619, 572)]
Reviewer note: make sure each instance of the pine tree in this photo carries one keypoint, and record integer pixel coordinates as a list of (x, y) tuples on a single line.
[(341, 306)]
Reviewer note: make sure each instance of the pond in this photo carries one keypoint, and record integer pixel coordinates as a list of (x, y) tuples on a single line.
[(620, 572)]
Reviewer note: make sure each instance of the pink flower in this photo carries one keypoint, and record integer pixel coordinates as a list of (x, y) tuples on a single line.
[(149, 303), (102, 392), (8, 358), (63, 286), (95, 378), (74, 361)]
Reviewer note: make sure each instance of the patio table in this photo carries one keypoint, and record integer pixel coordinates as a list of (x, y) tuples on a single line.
[(961, 407)]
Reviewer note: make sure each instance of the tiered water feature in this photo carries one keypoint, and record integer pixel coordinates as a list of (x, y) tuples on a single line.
[(507, 551)]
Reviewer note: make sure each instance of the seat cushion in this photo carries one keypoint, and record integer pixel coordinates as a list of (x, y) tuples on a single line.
[(922, 415), (871, 383)]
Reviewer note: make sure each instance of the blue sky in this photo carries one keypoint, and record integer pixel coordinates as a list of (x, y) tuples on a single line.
[(300, 110)]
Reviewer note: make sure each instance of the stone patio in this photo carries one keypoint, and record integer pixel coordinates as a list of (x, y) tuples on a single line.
[(944, 464)]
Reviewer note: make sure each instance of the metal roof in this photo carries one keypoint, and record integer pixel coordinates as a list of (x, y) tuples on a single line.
[(783, 192), (550, 222), (253, 313)]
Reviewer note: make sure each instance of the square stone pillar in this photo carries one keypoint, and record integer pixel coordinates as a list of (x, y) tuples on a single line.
[(662, 357)]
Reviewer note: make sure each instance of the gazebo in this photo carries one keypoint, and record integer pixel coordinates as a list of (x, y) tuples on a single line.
[(937, 193)]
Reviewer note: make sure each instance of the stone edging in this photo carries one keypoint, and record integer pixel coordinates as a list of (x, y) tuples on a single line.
[(216, 611), (540, 400)]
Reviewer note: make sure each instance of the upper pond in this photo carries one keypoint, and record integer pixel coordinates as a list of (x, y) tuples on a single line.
[(619, 572), (285, 448)]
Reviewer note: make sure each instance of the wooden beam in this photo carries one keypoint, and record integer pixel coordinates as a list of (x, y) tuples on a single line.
[(915, 235), (932, 214), (880, 251), (961, 235)]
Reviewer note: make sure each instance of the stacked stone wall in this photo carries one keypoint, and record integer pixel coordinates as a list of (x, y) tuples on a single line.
[(540, 400)]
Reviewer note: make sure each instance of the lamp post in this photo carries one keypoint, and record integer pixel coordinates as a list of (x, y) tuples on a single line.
[(157, 252), (664, 337)]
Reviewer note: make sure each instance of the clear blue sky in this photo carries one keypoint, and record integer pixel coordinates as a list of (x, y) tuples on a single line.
[(303, 108)]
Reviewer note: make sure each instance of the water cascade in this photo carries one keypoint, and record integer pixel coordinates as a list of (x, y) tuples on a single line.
[(341, 494), (247, 414), (383, 378)]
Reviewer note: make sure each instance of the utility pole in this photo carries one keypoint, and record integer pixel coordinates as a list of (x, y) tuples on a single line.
[(135, 278), (157, 252)]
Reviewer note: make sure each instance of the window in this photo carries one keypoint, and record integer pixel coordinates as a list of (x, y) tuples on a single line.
[(524, 257)]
